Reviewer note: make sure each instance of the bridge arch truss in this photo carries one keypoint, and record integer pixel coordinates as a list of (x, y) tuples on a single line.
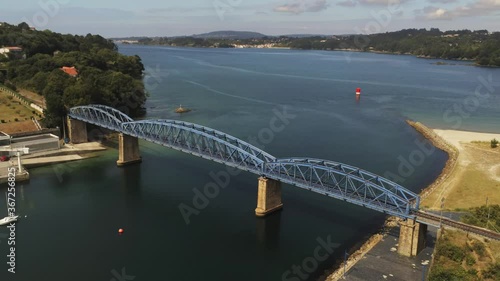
[(333, 179)]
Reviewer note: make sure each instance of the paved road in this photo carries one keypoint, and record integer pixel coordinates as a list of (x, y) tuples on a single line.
[(384, 263)]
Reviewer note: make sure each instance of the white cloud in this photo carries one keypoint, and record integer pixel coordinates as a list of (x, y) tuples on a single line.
[(434, 13), (353, 3), (302, 6), (443, 1), (348, 3), (477, 8), (381, 2)]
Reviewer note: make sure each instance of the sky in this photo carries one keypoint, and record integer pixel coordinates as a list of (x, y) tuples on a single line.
[(113, 18)]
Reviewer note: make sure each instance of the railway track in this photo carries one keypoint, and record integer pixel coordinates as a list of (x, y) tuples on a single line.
[(435, 219)]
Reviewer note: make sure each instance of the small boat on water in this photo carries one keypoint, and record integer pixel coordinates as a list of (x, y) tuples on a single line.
[(180, 109), (8, 219)]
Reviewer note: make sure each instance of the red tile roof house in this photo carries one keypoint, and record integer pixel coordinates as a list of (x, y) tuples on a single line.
[(71, 71), (16, 51)]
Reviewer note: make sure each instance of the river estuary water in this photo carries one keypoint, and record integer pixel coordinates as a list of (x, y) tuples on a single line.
[(74, 210)]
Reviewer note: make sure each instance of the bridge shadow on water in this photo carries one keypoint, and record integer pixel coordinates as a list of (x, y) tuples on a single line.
[(268, 231), (132, 183)]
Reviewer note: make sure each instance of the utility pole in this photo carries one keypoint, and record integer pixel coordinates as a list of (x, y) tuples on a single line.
[(20, 168), (488, 217), (441, 216)]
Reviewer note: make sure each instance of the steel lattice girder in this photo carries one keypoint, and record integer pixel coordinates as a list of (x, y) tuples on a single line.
[(266, 157), (100, 115), (346, 183), (201, 143), (329, 178)]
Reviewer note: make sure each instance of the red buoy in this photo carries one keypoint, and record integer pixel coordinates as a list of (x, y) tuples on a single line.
[(358, 91), (120, 230)]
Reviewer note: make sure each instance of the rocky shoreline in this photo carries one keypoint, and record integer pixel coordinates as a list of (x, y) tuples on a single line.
[(440, 143)]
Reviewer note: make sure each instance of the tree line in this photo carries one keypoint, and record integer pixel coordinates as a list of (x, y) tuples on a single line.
[(104, 75), (479, 46)]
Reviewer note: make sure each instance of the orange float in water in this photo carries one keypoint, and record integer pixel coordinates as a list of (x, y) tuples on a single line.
[(358, 91), (120, 230)]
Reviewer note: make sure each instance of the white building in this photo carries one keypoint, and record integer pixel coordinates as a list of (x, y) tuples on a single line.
[(16, 51)]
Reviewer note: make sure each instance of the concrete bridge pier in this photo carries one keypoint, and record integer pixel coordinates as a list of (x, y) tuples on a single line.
[(412, 238), (77, 131), (269, 197), (128, 150)]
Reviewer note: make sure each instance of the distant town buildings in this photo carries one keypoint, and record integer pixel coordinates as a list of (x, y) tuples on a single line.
[(260, 46), (127, 41)]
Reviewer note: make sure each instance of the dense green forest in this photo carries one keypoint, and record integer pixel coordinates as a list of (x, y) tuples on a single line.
[(104, 76), (479, 46)]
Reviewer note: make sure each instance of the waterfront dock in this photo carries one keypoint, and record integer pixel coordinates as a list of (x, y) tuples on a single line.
[(67, 153), (4, 172)]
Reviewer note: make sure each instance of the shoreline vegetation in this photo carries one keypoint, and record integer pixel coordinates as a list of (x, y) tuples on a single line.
[(437, 140), (479, 46), (70, 70)]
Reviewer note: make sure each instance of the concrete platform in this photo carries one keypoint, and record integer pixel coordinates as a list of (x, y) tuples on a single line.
[(37, 162), (4, 172), (67, 153), (384, 263)]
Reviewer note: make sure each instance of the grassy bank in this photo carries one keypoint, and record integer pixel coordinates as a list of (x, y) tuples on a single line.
[(466, 258)]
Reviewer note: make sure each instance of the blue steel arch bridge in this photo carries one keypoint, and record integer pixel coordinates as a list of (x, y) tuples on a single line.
[(329, 178)]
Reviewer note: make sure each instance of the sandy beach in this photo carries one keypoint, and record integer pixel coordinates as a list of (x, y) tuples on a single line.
[(472, 176), (457, 138)]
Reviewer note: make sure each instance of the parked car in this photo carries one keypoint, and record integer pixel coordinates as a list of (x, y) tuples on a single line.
[(4, 158)]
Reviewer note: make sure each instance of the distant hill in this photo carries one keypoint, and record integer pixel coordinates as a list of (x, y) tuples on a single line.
[(305, 35), (230, 35), (132, 38)]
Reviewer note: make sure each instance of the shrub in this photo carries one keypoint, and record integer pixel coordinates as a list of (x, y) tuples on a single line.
[(472, 272), (470, 260), (15, 119), (2, 121), (479, 248), (10, 85), (18, 111), (493, 272), (494, 143), (450, 251), (451, 274)]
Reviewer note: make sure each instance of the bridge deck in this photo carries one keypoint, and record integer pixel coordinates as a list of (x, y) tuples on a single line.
[(432, 219), (337, 180)]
